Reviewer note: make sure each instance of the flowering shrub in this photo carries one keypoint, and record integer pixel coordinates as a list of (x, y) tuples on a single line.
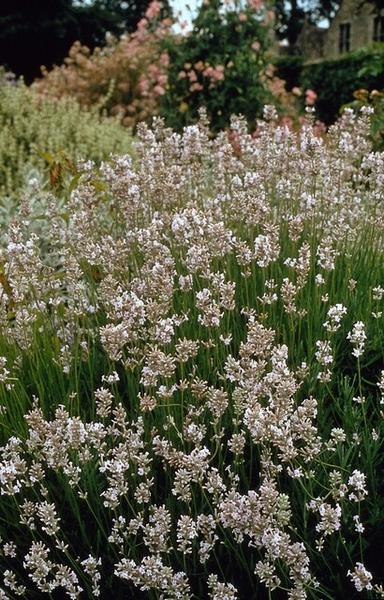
[(191, 381), (221, 64), (126, 77), (32, 129)]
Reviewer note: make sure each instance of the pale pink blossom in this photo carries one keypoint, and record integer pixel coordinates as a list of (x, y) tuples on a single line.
[(142, 24), (153, 10), (192, 76), (196, 87), (159, 90), (255, 4), (310, 97)]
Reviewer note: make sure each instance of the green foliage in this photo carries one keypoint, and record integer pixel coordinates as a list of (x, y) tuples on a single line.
[(34, 130), (374, 67), (41, 32), (336, 80), (221, 64)]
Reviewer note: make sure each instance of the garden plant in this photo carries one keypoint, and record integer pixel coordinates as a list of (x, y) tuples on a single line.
[(37, 133), (223, 63), (191, 371), (125, 78)]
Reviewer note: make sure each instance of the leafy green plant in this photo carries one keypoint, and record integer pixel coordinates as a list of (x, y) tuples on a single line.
[(34, 130), (221, 64)]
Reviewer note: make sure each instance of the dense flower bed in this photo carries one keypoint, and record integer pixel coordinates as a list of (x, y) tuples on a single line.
[(191, 373)]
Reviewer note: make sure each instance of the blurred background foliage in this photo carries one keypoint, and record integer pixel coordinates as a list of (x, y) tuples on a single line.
[(222, 64), (40, 32), (335, 81)]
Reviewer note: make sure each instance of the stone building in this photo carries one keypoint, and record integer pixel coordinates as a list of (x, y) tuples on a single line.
[(357, 23)]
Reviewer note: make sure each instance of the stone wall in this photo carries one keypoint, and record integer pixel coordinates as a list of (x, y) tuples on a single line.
[(317, 44), (360, 16)]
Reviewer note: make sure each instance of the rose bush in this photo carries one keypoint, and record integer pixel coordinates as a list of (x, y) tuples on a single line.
[(125, 78)]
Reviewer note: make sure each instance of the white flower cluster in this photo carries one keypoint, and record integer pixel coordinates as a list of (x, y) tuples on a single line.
[(357, 337), (173, 323)]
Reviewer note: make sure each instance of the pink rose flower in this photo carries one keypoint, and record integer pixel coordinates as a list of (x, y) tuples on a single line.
[(153, 10), (310, 97)]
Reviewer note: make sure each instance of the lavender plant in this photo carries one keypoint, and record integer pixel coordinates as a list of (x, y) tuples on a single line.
[(192, 372)]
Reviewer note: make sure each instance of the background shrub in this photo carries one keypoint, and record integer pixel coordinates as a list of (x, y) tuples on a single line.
[(221, 64), (33, 130), (336, 80), (126, 77)]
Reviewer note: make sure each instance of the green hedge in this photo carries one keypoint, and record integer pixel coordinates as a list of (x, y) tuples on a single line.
[(334, 81)]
